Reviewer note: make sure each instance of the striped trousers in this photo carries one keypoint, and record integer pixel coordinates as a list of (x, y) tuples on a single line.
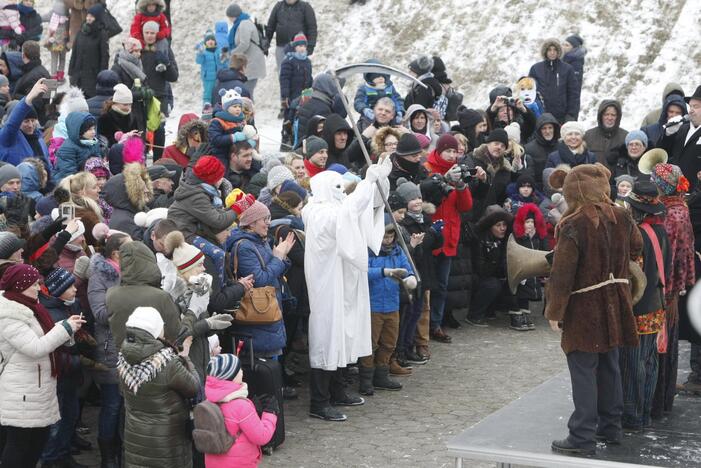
[(639, 377)]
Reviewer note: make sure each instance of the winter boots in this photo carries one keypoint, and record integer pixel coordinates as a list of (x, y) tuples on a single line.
[(108, 453), (382, 381), (527, 319), (517, 320), (365, 375)]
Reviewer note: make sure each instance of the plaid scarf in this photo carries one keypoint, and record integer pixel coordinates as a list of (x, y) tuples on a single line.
[(137, 375)]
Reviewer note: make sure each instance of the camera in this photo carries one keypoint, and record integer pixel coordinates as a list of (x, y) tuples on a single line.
[(466, 173), (439, 181), (510, 101)]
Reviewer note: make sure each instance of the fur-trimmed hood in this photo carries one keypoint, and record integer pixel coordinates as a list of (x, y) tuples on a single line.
[(550, 42), (131, 190), (188, 127), (522, 215), (491, 166), (141, 6)]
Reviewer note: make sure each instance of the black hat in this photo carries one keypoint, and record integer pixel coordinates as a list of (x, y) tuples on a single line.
[(492, 215), (524, 179), (645, 197), (9, 244), (500, 90), (469, 117), (696, 95), (395, 201), (159, 171), (408, 145), (439, 71), (575, 40), (499, 135)]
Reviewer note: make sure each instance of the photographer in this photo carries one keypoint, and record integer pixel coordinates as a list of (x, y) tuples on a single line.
[(499, 173), (505, 109), (456, 199)]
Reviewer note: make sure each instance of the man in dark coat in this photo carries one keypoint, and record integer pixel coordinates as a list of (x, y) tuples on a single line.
[(557, 82), (104, 90), (545, 141), (421, 70), (608, 133), (32, 71), (338, 135), (406, 161), (288, 18), (588, 297), (325, 101), (231, 78), (90, 53), (683, 141)]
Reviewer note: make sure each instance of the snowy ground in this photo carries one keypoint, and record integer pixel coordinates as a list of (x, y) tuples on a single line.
[(635, 47)]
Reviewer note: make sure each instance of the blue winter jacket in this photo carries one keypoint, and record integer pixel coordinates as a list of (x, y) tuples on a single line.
[(367, 96), (31, 185), (266, 338), (210, 63), (295, 76), (221, 33), (14, 147), (72, 154), (559, 87), (384, 292)]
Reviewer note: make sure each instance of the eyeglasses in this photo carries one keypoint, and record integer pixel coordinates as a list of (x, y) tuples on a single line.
[(391, 144)]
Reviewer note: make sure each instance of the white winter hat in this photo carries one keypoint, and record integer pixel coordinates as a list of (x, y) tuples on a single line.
[(146, 219), (185, 256), (513, 130), (122, 94), (79, 232), (277, 175), (147, 319), (571, 127), (73, 101)]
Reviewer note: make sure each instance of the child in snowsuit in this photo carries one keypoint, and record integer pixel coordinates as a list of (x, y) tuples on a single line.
[(376, 86), (531, 232), (226, 128), (57, 38), (295, 73), (387, 272), (226, 388), (150, 10), (209, 58)]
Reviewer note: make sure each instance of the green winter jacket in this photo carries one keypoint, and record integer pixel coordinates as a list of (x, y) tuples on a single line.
[(157, 416)]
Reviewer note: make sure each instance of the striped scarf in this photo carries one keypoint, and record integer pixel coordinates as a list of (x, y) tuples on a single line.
[(138, 374)]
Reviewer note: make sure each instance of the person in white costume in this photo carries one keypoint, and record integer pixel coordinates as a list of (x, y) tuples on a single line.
[(339, 230)]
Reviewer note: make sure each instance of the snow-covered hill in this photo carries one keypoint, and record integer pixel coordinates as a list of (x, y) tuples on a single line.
[(635, 47)]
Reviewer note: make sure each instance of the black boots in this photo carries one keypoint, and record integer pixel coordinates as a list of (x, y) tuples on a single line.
[(365, 375), (382, 381), (108, 453)]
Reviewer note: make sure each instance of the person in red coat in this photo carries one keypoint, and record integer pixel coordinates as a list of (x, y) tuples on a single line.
[(150, 10), (443, 161)]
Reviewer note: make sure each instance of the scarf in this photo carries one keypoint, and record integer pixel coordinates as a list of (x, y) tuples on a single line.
[(437, 163), (234, 28), (418, 217), (213, 193), (312, 169), (43, 317), (405, 165), (131, 65), (226, 116), (145, 371), (299, 55), (114, 265)]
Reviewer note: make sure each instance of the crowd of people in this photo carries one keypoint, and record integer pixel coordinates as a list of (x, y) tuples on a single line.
[(154, 274)]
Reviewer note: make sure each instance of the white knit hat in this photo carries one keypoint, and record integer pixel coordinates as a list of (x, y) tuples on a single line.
[(514, 131), (185, 256), (147, 319), (572, 127), (146, 219), (277, 175), (122, 94)]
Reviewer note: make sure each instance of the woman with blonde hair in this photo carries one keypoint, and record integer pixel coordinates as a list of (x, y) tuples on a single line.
[(295, 164), (85, 195)]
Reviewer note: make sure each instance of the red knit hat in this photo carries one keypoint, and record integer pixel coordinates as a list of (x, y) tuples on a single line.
[(209, 170), (446, 141), (299, 39)]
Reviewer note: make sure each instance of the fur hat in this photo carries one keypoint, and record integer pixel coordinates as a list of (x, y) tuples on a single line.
[(421, 65), (147, 319), (547, 44), (185, 256), (492, 215), (122, 94), (529, 211), (230, 97), (669, 179), (587, 183), (224, 366), (253, 213), (571, 127), (58, 280), (277, 175), (73, 101), (209, 170)]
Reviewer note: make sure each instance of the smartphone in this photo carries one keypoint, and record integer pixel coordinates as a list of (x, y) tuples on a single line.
[(51, 84), (67, 211)]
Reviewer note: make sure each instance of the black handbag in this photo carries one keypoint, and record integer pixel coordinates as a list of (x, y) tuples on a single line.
[(112, 27)]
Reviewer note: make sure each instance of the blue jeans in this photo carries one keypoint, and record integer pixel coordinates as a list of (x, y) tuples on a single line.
[(439, 293), (108, 421), (58, 446)]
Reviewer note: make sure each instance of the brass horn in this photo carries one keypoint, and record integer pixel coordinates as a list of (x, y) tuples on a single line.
[(522, 263), (650, 159)]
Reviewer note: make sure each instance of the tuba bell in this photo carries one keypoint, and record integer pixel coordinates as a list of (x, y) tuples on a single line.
[(522, 263), (650, 159)]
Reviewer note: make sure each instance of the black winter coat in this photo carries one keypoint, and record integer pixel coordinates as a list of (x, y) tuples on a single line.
[(461, 279), (32, 27), (159, 81), (539, 148), (622, 164), (320, 104), (423, 253), (685, 155), (111, 122), (89, 57), (31, 73), (228, 79), (287, 20), (414, 173), (559, 87), (425, 96), (295, 76), (336, 123), (490, 258)]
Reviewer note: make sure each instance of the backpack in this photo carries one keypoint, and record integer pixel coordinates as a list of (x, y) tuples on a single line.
[(263, 40), (454, 102), (210, 434)]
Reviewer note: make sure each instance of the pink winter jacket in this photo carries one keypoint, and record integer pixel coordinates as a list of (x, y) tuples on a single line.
[(242, 421)]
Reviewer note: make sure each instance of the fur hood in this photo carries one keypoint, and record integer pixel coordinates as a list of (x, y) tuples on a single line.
[(481, 154), (550, 42), (141, 6), (428, 208), (131, 190), (188, 127), (522, 215)]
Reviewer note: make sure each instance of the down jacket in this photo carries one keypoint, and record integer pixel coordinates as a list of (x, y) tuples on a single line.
[(27, 388), (157, 416), (601, 140), (384, 291), (102, 276), (241, 421), (558, 84), (71, 156)]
